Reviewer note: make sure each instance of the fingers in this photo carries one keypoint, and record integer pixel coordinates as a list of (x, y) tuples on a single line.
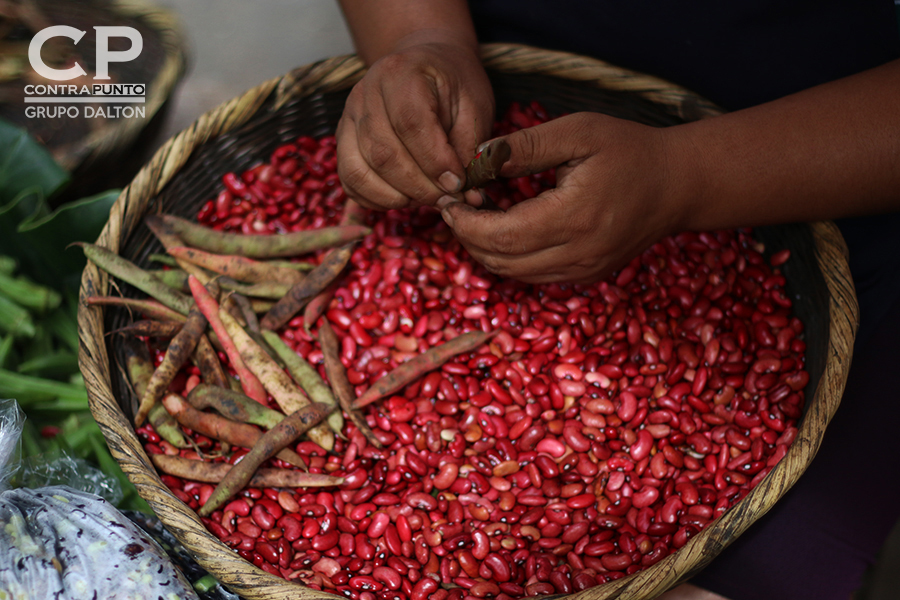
[(397, 140), (420, 118), (378, 167), (360, 182), (495, 237), (512, 245), (558, 142)]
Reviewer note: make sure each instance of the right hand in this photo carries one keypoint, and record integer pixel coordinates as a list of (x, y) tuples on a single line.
[(412, 123)]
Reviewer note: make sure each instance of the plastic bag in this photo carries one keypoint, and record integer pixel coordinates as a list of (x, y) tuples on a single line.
[(46, 470), (61, 536), (12, 419)]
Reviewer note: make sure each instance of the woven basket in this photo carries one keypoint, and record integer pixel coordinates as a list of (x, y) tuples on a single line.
[(80, 145), (186, 170)]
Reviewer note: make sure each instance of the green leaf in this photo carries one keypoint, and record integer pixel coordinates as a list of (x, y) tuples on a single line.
[(49, 236), (26, 165), (28, 204), (30, 231)]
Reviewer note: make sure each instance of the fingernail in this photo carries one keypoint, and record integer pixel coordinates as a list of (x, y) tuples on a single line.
[(448, 219), (444, 201), (450, 182)]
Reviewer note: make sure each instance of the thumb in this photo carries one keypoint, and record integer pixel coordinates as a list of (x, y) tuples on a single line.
[(548, 145)]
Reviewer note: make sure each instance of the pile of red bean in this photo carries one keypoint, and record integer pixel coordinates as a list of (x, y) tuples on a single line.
[(601, 429)]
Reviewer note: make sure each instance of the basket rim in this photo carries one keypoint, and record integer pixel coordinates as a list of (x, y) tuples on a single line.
[(339, 73)]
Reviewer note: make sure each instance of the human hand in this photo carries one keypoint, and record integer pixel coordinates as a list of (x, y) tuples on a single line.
[(411, 123), (611, 202)]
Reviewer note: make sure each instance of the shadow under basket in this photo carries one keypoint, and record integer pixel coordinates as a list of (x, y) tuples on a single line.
[(187, 170)]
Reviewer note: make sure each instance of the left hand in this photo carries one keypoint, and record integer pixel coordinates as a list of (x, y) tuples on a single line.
[(611, 202)]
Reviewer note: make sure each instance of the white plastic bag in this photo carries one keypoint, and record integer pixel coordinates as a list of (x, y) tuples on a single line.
[(66, 542)]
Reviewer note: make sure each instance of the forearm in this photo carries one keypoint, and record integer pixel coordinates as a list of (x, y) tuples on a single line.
[(827, 152), (383, 26)]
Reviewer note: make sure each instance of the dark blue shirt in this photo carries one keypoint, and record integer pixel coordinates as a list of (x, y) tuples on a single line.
[(736, 53)]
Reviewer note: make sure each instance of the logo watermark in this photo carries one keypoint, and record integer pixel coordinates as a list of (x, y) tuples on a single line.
[(71, 100)]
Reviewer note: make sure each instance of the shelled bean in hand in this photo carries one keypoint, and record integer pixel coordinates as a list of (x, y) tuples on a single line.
[(594, 431)]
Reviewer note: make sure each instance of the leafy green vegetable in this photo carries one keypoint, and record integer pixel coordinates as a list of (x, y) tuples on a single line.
[(40, 371), (30, 231), (26, 165), (38, 325), (49, 237)]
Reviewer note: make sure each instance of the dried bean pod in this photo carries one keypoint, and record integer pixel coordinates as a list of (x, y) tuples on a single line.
[(341, 386), (288, 430), (307, 377), (276, 381), (128, 272), (140, 370), (420, 364), (317, 280), (234, 405), (149, 308), (487, 163), (198, 470), (239, 268), (177, 354), (262, 246), (219, 428)]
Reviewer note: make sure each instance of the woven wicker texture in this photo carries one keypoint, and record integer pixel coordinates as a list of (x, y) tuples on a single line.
[(186, 171)]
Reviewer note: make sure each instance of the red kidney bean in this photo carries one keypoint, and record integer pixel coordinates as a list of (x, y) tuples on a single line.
[(616, 562), (262, 517), (575, 532), (388, 576), (551, 446), (267, 551), (422, 501), (240, 507), (581, 501), (699, 443), (249, 529), (424, 589), (498, 566), (642, 446), (380, 522), (646, 497), (325, 541)]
